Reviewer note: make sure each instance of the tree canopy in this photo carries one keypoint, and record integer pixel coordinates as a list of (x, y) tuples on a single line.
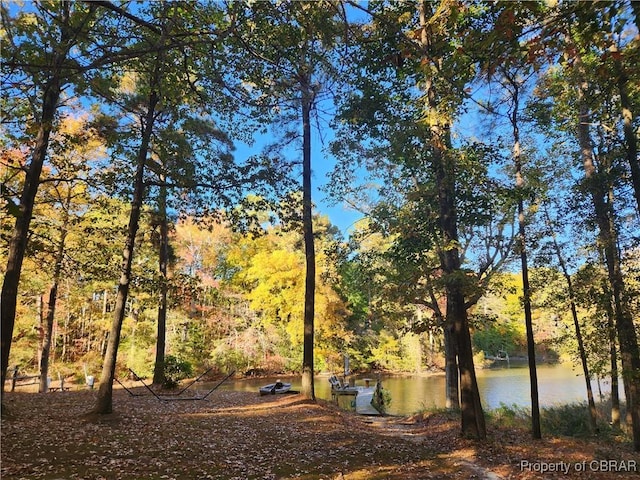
[(159, 164)]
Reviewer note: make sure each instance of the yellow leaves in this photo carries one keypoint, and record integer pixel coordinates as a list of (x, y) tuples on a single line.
[(80, 143), (76, 127), (27, 19), (452, 245), (268, 274), (72, 125), (404, 18), (128, 83), (434, 118), (271, 276), (387, 349), (278, 279)]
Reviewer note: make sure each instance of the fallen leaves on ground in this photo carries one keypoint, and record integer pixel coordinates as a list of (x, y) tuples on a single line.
[(241, 435)]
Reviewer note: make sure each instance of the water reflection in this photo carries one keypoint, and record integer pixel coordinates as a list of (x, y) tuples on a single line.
[(557, 384)]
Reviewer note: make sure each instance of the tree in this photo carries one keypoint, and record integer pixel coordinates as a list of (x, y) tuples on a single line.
[(190, 154), (65, 188), (471, 408), (293, 71), (624, 54), (270, 273), (607, 236), (415, 79), (27, 34), (582, 48), (104, 399), (513, 81), (576, 323), (154, 90), (50, 48), (163, 260), (538, 40)]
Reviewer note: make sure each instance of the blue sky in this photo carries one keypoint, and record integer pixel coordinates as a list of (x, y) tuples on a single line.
[(340, 214)]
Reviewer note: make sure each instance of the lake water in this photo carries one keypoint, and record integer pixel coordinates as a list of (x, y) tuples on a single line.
[(557, 384)]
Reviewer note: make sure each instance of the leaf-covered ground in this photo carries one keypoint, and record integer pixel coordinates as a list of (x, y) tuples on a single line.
[(241, 435)]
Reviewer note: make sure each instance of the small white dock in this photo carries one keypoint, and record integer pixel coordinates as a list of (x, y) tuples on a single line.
[(363, 402), (361, 396)]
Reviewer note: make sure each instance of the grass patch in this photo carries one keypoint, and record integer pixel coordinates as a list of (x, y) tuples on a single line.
[(509, 415), (571, 420)]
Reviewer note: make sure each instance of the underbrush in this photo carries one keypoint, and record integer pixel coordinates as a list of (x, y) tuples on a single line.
[(571, 420), (567, 420)]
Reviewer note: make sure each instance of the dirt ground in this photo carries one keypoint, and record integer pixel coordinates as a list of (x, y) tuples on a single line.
[(241, 435)]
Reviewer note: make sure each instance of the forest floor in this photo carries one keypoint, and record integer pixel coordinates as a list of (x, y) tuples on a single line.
[(241, 435)]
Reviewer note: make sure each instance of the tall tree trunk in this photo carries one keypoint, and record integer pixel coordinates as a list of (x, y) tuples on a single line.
[(607, 238), (452, 393), (104, 400), (526, 301), (522, 248), (613, 355), (574, 313), (472, 415), (308, 390), (163, 258), (630, 138), (18, 242), (51, 307)]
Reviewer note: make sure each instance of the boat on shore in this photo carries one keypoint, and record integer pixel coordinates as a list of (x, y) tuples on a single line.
[(273, 388)]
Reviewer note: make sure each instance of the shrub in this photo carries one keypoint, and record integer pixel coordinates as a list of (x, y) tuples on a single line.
[(381, 399), (573, 420), (568, 420), (176, 370)]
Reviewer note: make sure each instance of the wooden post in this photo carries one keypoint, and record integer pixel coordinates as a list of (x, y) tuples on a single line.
[(14, 378)]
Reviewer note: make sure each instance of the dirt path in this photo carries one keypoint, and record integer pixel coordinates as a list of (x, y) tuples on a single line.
[(240, 435), (400, 427)]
